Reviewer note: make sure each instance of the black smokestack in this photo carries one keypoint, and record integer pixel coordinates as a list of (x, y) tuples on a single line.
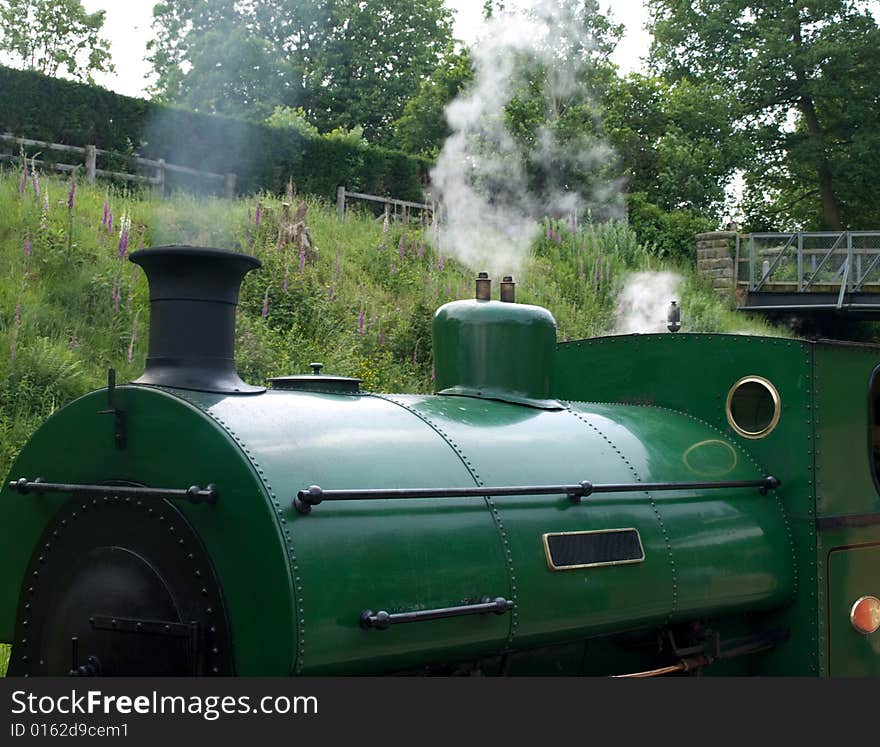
[(193, 295)]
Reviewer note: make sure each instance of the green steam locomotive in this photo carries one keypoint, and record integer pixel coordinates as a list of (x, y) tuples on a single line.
[(636, 505)]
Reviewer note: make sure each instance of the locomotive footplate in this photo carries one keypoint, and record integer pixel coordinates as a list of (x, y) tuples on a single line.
[(118, 586)]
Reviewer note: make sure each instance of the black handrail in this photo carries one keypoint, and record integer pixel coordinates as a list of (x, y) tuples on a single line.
[(193, 494), (314, 494), (382, 620)]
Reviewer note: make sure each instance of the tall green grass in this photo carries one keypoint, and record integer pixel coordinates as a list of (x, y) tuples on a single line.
[(71, 307)]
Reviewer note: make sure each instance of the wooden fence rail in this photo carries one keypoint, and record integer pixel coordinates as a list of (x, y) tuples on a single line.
[(390, 203), (90, 155)]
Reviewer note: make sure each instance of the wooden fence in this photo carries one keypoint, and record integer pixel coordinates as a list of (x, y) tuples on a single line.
[(390, 203), (90, 154)]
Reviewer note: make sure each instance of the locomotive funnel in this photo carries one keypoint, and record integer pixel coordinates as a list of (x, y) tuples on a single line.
[(193, 296)]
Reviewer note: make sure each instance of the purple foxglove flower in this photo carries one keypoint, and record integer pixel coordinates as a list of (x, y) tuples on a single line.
[(258, 215), (110, 221), (250, 217), (266, 304), (401, 247), (34, 181), (106, 214), (71, 196), (122, 248), (27, 245)]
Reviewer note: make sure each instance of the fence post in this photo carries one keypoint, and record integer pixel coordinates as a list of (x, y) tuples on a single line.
[(230, 185), (340, 202), (849, 258), (91, 163), (160, 178)]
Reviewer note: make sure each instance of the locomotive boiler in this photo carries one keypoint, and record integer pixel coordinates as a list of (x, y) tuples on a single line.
[(634, 505)]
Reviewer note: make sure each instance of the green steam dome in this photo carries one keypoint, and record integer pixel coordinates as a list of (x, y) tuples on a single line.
[(495, 350)]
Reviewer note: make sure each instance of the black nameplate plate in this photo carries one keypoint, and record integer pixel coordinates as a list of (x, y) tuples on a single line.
[(589, 549)]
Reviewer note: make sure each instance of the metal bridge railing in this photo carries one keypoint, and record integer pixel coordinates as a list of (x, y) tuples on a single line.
[(843, 262)]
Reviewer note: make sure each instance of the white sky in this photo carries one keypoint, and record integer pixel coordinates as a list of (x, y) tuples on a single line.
[(127, 26)]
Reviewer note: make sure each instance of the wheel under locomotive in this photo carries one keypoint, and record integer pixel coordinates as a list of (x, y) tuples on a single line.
[(645, 504)]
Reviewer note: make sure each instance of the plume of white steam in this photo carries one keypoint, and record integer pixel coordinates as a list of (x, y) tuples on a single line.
[(489, 216), (644, 302)]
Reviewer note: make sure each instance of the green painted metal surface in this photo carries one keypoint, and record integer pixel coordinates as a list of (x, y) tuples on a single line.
[(692, 374), (170, 445), (842, 379), (630, 409), (495, 350), (694, 543), (417, 554), (383, 555), (844, 487), (852, 573)]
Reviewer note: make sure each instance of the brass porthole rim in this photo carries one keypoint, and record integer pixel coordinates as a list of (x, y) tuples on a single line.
[(777, 407)]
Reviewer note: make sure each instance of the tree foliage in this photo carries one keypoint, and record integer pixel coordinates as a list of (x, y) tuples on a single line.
[(677, 141), (554, 113), (346, 63), (422, 128), (807, 79), (53, 37)]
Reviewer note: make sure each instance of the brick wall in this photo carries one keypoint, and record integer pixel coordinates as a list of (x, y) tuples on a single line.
[(716, 253)]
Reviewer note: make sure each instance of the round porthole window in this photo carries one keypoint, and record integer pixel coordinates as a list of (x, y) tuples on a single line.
[(753, 407)]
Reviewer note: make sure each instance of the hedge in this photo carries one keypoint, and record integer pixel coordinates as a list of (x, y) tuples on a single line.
[(61, 111)]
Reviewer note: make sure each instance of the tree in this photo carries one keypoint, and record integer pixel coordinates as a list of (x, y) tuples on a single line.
[(806, 76), (677, 141), (51, 36), (554, 113), (214, 56), (422, 128), (347, 63)]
